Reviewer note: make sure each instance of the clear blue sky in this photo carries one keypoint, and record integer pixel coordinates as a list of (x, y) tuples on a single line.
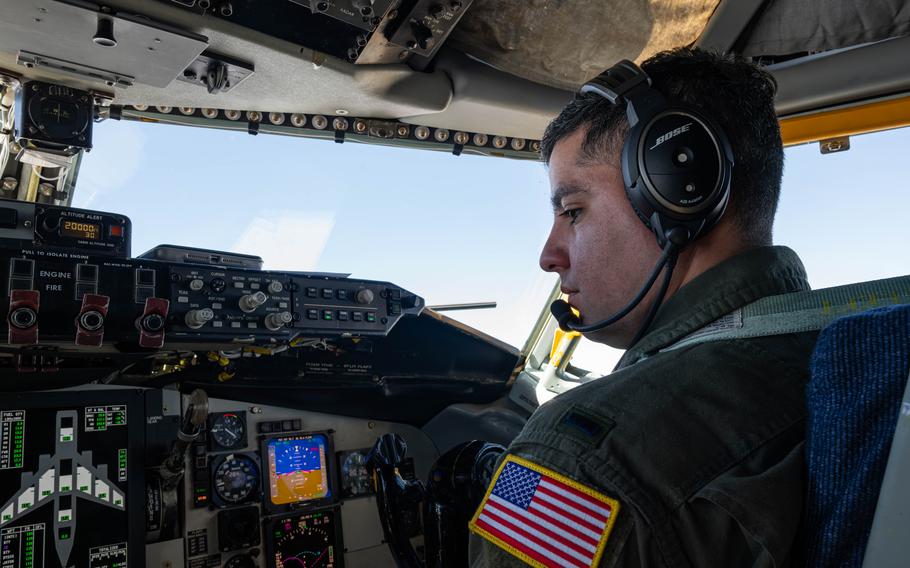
[(452, 229)]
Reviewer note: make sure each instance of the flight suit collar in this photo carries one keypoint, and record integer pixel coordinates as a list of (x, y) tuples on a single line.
[(735, 282)]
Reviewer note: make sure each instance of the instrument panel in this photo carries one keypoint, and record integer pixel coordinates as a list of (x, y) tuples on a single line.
[(108, 474), (294, 492)]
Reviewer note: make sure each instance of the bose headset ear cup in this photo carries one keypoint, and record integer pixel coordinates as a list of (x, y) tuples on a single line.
[(676, 166)]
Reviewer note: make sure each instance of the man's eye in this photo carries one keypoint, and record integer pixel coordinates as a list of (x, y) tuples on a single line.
[(572, 214)]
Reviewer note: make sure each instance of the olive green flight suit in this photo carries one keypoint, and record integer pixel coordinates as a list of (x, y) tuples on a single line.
[(702, 446)]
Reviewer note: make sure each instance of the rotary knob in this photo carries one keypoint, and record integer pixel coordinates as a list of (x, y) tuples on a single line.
[(274, 322), (195, 319), (249, 302), (196, 284), (275, 287), (364, 296)]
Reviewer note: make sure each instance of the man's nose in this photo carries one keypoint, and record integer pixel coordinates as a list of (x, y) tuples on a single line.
[(553, 257)]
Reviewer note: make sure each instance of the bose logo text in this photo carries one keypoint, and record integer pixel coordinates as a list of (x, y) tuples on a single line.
[(675, 132)]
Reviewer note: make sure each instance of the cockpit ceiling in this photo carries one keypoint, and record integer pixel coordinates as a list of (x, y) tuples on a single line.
[(563, 44)]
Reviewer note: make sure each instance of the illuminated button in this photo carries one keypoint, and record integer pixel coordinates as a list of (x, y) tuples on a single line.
[(327, 315), (115, 231), (254, 285), (342, 316), (357, 316), (24, 267), (238, 284), (83, 288), (143, 293), (87, 272), (145, 277), (312, 314), (312, 292), (371, 317), (235, 324), (341, 294), (21, 284), (328, 293)]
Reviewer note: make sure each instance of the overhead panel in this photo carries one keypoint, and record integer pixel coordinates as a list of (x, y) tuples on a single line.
[(65, 37)]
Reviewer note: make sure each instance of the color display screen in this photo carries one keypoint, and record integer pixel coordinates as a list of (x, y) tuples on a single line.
[(297, 469), (80, 229)]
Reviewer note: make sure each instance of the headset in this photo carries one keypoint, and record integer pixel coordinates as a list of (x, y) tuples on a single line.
[(677, 164)]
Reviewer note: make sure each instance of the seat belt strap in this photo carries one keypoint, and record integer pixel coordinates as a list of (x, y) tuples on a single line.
[(800, 311)]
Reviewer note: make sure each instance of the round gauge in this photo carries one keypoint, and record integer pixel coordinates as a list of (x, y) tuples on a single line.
[(236, 479), (354, 474), (240, 561), (228, 431)]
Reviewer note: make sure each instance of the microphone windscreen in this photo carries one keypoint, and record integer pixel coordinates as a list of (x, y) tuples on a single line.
[(562, 311)]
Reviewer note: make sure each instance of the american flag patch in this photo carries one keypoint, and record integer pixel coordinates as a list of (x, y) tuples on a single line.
[(544, 518)]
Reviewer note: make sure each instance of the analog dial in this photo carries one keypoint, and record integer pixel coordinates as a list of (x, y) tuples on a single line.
[(236, 479), (229, 431)]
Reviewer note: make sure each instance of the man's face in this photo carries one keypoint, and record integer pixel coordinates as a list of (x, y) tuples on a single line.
[(601, 250)]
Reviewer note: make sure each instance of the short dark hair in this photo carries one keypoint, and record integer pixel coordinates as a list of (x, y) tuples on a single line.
[(737, 94)]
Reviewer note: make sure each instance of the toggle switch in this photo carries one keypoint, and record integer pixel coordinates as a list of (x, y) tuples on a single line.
[(249, 302), (195, 319), (274, 322)]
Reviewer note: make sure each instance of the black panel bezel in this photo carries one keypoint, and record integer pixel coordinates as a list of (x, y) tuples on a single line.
[(270, 522), (332, 474)]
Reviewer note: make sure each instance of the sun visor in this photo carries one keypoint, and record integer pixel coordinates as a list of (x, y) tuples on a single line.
[(563, 44), (786, 27)]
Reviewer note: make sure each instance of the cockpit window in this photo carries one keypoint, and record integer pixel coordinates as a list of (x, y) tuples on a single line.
[(453, 229)]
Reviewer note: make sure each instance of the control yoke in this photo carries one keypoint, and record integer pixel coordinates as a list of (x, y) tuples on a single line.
[(457, 484)]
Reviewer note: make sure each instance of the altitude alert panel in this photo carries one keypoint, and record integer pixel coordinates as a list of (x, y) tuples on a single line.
[(69, 480)]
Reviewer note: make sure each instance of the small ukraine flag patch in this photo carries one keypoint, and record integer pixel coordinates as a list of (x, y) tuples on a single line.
[(544, 518)]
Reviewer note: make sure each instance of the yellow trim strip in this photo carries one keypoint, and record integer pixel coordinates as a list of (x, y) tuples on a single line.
[(848, 121), (613, 504)]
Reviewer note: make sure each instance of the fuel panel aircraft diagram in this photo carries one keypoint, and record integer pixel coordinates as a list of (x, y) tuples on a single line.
[(63, 478)]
